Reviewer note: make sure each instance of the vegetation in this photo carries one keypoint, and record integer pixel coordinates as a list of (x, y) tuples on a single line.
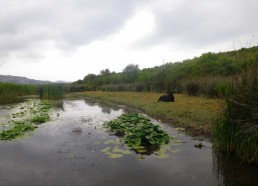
[(236, 130), (138, 132), (195, 114), (33, 112), (51, 91), (16, 131), (206, 75), (10, 93)]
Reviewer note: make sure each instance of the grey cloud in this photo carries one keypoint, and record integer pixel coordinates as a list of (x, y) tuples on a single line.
[(199, 22), (26, 24)]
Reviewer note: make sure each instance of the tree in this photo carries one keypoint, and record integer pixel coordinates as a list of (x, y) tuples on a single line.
[(130, 73), (90, 78), (105, 72)]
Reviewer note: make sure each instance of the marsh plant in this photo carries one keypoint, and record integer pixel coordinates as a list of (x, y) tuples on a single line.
[(236, 130), (138, 132), (51, 91), (10, 93), (33, 113)]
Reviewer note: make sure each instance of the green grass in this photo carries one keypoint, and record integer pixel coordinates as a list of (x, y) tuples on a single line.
[(195, 114)]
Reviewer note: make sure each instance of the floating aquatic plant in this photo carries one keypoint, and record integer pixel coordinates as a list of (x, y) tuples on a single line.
[(16, 131), (138, 132), (33, 112)]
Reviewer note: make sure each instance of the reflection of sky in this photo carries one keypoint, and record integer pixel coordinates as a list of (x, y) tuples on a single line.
[(54, 155), (6, 111)]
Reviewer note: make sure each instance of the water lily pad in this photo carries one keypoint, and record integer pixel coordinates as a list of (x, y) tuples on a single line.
[(175, 151), (107, 149), (113, 155)]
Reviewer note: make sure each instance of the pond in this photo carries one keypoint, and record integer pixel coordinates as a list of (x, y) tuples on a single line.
[(71, 149)]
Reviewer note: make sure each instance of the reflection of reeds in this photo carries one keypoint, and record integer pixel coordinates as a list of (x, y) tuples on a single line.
[(237, 129), (230, 172)]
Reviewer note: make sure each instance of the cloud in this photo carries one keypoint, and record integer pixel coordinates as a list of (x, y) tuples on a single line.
[(69, 24), (86, 36), (28, 25), (201, 23)]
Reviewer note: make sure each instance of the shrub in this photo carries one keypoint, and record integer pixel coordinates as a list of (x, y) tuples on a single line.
[(192, 88), (212, 87), (139, 87)]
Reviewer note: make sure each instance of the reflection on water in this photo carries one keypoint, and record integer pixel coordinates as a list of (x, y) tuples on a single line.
[(70, 150), (231, 172)]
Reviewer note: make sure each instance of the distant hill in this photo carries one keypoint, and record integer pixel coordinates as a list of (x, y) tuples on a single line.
[(21, 80), (60, 81)]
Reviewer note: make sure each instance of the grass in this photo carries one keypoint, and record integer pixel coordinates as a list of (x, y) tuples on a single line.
[(195, 114)]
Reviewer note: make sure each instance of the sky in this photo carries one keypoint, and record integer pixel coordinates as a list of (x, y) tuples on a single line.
[(68, 39)]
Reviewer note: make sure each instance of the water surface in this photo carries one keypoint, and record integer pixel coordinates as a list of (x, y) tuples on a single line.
[(68, 151)]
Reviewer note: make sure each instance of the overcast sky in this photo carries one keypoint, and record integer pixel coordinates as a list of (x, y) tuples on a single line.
[(68, 39)]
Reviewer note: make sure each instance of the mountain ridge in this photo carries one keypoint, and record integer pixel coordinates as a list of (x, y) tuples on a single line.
[(21, 80)]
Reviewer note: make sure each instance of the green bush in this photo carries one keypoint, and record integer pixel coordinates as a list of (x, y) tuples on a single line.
[(192, 88), (211, 87)]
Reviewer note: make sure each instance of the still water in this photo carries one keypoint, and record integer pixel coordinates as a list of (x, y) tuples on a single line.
[(68, 151)]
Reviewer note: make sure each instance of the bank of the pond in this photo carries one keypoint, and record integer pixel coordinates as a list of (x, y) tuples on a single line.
[(194, 114)]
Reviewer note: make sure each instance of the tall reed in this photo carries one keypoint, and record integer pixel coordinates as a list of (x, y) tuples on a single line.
[(10, 93), (236, 130), (51, 91)]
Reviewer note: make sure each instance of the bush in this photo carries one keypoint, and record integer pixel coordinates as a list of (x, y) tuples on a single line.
[(212, 87), (192, 88), (139, 87)]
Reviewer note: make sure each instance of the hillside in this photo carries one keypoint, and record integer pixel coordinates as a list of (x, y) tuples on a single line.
[(206, 74), (21, 80)]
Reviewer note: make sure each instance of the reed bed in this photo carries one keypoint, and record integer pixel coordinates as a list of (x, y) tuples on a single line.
[(51, 91), (236, 130), (10, 93)]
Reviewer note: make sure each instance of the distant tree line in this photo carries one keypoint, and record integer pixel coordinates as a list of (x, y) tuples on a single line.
[(204, 75)]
